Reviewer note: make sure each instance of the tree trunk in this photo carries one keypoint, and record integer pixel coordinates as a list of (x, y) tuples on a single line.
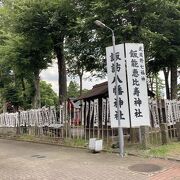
[(36, 98), (80, 80), (157, 87), (23, 88), (174, 80), (59, 50), (166, 75)]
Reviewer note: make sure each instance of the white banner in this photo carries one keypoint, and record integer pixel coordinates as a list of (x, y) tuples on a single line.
[(168, 111), (122, 88), (87, 111), (104, 111), (153, 105), (40, 121), (96, 113), (178, 109), (137, 84), (82, 113), (61, 115), (52, 117), (91, 110), (108, 113), (174, 108)]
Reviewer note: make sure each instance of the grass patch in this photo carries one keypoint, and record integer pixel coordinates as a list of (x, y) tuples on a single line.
[(26, 137), (172, 149), (75, 142), (158, 151), (164, 151)]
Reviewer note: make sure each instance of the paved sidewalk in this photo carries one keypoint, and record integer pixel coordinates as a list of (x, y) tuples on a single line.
[(31, 161)]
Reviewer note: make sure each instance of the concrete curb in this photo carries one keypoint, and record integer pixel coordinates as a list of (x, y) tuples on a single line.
[(163, 158), (40, 142)]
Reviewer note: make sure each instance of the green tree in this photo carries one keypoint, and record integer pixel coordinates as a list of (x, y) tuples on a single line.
[(73, 89), (33, 49), (50, 22), (38, 28), (157, 85), (62, 21), (82, 55), (167, 46), (152, 22), (48, 96), (8, 91)]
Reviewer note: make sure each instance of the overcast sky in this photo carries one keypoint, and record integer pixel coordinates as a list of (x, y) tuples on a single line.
[(50, 75)]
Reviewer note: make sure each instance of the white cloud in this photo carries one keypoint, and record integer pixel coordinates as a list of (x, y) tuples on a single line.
[(50, 75)]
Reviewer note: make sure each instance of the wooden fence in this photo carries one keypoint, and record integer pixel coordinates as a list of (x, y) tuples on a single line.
[(58, 124)]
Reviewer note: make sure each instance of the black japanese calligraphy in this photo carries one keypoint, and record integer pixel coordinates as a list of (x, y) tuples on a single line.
[(121, 115), (143, 78), (133, 54), (117, 56), (118, 67), (118, 79), (142, 67), (134, 63), (140, 48), (135, 82), (120, 91), (142, 72), (135, 73), (121, 102), (141, 60), (138, 113), (137, 102), (136, 91), (141, 54)]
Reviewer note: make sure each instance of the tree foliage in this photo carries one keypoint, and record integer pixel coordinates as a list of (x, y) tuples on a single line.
[(166, 47), (73, 89), (34, 32), (27, 50), (48, 96)]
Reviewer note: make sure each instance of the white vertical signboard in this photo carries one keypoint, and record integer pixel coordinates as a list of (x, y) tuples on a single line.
[(137, 84), (122, 89)]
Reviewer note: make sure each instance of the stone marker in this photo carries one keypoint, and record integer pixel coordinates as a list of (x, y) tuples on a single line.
[(164, 133)]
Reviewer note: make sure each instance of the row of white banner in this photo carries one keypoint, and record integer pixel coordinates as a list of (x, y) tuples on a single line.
[(33, 117), (48, 116), (92, 113), (171, 112)]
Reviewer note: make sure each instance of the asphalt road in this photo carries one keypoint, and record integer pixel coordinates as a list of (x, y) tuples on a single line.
[(31, 161)]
